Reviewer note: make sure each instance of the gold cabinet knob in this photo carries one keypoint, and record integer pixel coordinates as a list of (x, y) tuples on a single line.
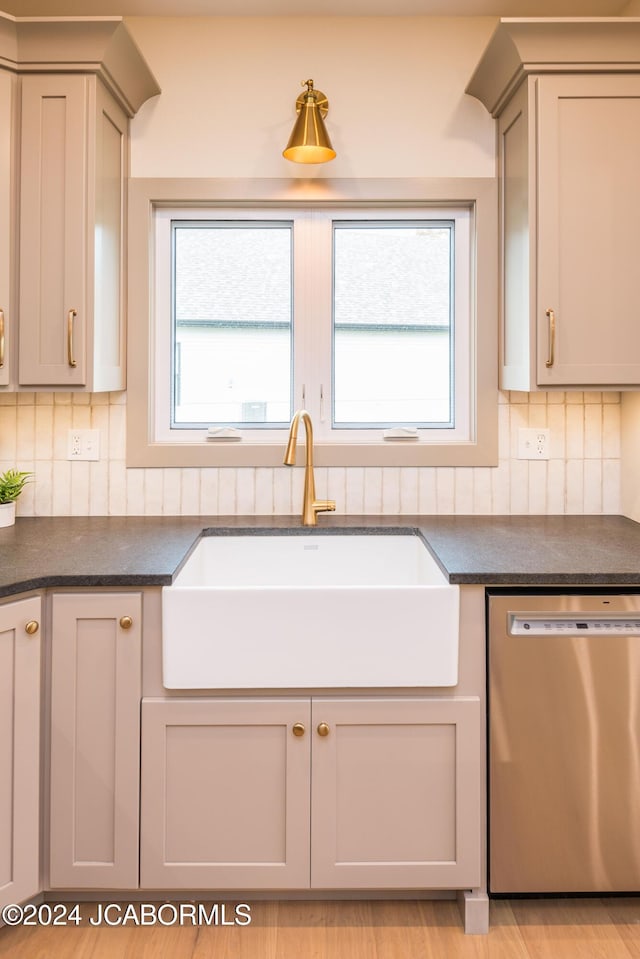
[(126, 622), (323, 729), (298, 729), (32, 627)]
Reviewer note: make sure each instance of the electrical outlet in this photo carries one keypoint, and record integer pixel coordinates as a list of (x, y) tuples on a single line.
[(533, 444), (83, 445)]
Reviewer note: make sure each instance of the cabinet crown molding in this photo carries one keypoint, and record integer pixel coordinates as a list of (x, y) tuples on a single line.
[(523, 46), (98, 45)]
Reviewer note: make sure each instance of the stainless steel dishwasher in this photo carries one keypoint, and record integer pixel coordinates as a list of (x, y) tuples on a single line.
[(564, 743)]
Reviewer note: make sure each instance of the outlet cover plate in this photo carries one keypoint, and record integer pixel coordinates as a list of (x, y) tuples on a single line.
[(533, 443), (83, 445)]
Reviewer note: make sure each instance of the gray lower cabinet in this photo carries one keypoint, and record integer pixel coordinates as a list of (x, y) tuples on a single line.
[(20, 685), (96, 641), (320, 792)]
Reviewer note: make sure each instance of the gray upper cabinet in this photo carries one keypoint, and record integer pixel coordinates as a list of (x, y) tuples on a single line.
[(78, 83), (8, 117), (567, 99), (74, 153)]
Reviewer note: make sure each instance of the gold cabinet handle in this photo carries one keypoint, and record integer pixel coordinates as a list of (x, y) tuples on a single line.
[(552, 338), (298, 729), (126, 622), (71, 315), (323, 729), (1, 338), (32, 627)]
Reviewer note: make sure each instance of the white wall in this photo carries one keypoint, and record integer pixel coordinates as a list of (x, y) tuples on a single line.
[(398, 109)]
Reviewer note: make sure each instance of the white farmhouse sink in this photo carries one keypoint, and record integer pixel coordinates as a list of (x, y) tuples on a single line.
[(285, 611)]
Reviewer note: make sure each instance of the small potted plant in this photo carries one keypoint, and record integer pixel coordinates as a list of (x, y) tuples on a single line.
[(11, 485)]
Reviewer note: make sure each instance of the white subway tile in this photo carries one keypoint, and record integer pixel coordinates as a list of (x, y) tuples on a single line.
[(575, 486), (171, 491), (99, 488), (556, 421), (463, 482), (482, 493), (445, 489), (427, 495), (593, 431), (336, 488), (117, 432), (44, 433), (373, 491), (391, 490), (519, 486), (264, 491), (504, 432), (61, 488), (152, 490), (556, 486), (283, 491), (501, 487), (25, 433), (8, 432), (209, 492), (537, 487), (190, 492), (245, 492), (135, 492), (574, 437), (80, 488), (408, 490), (61, 427), (43, 488), (611, 486), (354, 492), (592, 497), (611, 432), (118, 488)]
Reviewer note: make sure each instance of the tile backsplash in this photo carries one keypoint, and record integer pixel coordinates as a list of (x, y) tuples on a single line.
[(581, 476)]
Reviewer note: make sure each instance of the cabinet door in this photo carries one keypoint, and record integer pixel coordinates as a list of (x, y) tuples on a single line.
[(395, 793), (19, 751), (225, 794), (588, 240), (7, 220), (53, 229), (95, 740)]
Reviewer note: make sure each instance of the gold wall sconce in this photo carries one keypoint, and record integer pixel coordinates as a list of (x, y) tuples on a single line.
[(309, 141)]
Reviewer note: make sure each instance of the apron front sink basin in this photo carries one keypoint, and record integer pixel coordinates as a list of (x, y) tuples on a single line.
[(310, 610)]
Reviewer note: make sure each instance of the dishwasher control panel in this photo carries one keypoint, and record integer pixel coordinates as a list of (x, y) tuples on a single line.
[(540, 624)]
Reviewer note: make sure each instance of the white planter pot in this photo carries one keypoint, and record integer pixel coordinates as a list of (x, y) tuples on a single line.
[(7, 514)]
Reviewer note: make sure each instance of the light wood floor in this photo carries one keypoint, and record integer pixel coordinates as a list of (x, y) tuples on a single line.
[(550, 929)]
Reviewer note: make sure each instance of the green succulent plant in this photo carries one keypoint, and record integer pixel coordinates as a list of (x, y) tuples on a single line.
[(11, 485)]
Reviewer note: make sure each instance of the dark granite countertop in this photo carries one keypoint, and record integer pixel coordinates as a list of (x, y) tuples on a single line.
[(488, 550)]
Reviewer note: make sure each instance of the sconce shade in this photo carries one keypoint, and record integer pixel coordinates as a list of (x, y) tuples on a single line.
[(309, 141)]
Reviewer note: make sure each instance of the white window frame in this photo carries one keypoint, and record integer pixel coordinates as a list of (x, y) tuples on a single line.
[(312, 329), (154, 203)]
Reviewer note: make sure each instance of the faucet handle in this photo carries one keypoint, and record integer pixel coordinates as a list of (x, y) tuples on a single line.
[(324, 505)]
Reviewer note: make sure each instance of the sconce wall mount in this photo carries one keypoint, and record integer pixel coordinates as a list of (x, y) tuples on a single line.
[(309, 141)]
